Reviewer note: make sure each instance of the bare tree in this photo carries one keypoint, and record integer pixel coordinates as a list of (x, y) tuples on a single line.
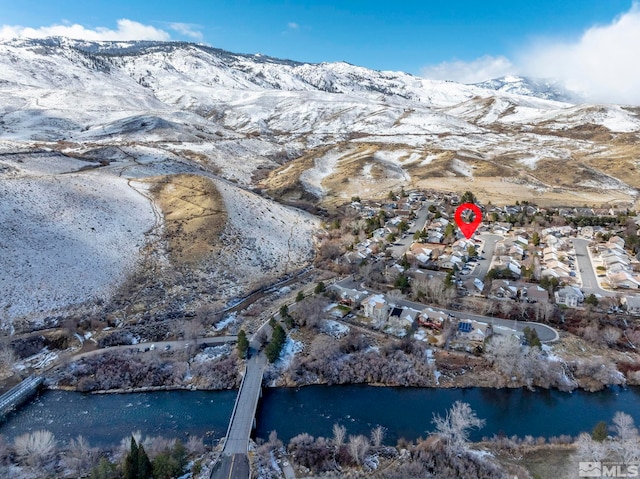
[(339, 434), (624, 426), (611, 335), (80, 457), (504, 352), (395, 295), (36, 448), (7, 355), (589, 450), (455, 427), (156, 445), (358, 448), (506, 307), (310, 311), (195, 446), (377, 435)]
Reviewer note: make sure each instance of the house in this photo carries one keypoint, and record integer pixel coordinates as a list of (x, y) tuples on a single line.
[(534, 294), (376, 308), (349, 297), (632, 304), (503, 289), (616, 240), (473, 332), (429, 318), (570, 296), (474, 286), (409, 315), (623, 279), (587, 232), (421, 252)]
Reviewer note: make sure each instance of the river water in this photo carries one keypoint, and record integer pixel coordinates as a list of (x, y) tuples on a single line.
[(404, 412)]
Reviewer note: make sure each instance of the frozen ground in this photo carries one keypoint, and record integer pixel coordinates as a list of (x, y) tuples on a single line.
[(65, 238)]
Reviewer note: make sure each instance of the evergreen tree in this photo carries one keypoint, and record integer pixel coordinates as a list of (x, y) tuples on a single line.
[(144, 467), (130, 470), (468, 197), (104, 470), (243, 344), (274, 348), (599, 432), (535, 238), (319, 288)]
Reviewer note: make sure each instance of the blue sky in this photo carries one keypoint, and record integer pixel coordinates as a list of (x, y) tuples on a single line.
[(458, 40)]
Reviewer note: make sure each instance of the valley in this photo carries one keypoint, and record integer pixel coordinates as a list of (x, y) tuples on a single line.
[(159, 200)]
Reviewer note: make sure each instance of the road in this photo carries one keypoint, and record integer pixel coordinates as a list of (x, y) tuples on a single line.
[(237, 441), (545, 333), (234, 463), (159, 345), (587, 274), (489, 248), (232, 467), (403, 244)]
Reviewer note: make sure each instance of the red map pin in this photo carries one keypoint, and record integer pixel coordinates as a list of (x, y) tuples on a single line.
[(468, 228)]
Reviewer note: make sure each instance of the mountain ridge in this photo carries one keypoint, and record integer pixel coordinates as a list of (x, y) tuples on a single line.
[(87, 126)]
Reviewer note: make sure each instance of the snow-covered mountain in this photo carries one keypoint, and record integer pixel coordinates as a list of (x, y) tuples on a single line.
[(304, 133), (539, 88)]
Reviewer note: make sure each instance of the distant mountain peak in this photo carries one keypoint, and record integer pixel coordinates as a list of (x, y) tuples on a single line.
[(546, 89)]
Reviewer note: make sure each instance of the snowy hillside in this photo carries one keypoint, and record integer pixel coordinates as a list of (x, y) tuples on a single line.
[(545, 89), (300, 132)]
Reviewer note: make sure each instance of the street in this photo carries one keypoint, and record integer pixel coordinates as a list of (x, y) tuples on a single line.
[(545, 333), (231, 467), (403, 244), (483, 265), (589, 279)]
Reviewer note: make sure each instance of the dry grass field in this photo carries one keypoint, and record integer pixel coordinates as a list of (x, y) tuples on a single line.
[(194, 215)]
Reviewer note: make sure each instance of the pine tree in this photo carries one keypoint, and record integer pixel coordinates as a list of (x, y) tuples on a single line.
[(144, 467), (131, 462), (243, 343)]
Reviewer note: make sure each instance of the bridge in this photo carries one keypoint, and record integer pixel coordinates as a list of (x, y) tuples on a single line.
[(234, 463), (18, 395)]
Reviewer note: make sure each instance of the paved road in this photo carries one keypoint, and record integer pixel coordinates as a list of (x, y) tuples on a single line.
[(159, 345), (232, 467), (587, 274), (419, 222), (237, 441), (234, 463), (483, 265), (545, 333)]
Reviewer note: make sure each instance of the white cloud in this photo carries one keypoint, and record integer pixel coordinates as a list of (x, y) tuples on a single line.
[(601, 64), (483, 68), (293, 25), (187, 29), (127, 30)]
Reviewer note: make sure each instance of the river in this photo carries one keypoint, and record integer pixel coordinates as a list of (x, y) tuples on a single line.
[(404, 412)]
